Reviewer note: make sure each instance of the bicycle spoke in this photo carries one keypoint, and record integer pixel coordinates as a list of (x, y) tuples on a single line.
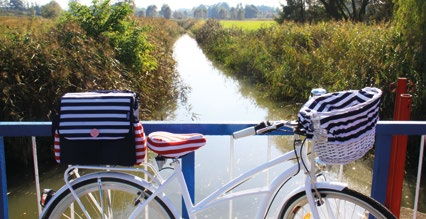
[(329, 208)]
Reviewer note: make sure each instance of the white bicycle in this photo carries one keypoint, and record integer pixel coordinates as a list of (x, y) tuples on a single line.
[(116, 192)]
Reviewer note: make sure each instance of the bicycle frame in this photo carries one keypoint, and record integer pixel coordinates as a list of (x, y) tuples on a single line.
[(223, 194), (158, 185)]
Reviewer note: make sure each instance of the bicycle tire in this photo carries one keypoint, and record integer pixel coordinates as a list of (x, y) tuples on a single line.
[(119, 200), (342, 204)]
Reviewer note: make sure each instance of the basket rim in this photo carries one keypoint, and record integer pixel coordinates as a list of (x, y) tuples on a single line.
[(375, 91)]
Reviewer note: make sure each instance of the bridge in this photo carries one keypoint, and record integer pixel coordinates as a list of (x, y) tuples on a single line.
[(385, 130)]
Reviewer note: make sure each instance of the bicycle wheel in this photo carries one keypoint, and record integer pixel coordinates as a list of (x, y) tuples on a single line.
[(336, 204), (106, 197)]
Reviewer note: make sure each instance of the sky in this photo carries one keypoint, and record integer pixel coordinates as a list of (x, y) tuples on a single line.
[(176, 4)]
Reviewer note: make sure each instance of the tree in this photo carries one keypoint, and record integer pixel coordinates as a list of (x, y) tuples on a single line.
[(294, 11), (251, 11), (35, 9), (178, 15), (131, 3), (223, 13), (315, 12), (380, 10), (340, 10), (354, 10), (266, 11), (166, 12), (4, 4), (17, 4), (213, 11), (240, 12), (151, 11), (51, 10), (140, 12), (233, 13), (200, 12), (218, 11)]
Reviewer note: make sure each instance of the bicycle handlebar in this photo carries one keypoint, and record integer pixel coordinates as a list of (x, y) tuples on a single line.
[(263, 127), (244, 132)]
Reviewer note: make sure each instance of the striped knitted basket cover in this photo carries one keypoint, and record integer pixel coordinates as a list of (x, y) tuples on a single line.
[(172, 145), (349, 119)]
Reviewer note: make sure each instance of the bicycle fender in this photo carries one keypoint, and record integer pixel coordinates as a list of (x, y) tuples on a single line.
[(319, 185)]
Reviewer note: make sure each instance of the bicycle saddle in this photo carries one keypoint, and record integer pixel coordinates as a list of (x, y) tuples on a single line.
[(173, 145)]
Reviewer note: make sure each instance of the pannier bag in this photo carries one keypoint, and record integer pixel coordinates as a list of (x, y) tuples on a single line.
[(348, 123), (99, 128)]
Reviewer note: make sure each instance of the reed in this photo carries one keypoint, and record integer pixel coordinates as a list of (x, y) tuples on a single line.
[(288, 61)]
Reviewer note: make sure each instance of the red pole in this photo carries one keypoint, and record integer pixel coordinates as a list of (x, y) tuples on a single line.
[(403, 104), (401, 88)]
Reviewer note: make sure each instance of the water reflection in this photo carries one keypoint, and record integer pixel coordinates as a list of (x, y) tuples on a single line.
[(213, 96)]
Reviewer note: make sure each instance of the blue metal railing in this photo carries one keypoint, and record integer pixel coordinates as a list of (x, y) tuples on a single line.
[(384, 132), (40, 129)]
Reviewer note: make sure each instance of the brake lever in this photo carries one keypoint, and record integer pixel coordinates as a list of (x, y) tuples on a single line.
[(274, 126)]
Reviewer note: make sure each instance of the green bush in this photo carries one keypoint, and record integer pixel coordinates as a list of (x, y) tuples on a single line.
[(41, 60), (114, 22)]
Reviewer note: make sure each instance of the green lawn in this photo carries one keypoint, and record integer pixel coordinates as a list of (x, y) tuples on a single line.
[(247, 24)]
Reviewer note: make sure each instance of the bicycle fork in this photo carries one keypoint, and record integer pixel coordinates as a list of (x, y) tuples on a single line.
[(312, 194)]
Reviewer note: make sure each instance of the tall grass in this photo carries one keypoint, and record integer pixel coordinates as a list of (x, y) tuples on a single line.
[(40, 61), (287, 61)]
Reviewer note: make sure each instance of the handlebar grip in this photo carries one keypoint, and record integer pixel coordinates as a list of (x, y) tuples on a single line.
[(244, 133)]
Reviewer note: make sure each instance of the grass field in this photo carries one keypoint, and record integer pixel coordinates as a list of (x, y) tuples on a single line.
[(8, 23), (247, 24), (14, 21)]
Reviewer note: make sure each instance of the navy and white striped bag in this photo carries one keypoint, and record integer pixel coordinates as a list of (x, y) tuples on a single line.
[(99, 128), (349, 120)]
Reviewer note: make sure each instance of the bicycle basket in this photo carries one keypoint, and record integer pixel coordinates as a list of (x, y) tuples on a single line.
[(349, 119)]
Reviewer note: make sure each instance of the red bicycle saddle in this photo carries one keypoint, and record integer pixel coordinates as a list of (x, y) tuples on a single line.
[(174, 145)]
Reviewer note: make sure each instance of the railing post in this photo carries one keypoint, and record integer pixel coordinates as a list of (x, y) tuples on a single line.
[(381, 164), (4, 211), (399, 150), (188, 169)]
